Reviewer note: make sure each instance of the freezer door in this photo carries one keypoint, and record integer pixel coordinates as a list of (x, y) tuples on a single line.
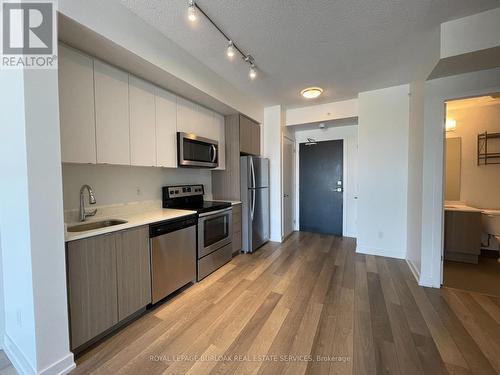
[(259, 217), (258, 172)]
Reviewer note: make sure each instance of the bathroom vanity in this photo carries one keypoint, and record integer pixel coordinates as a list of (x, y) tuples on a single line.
[(462, 234)]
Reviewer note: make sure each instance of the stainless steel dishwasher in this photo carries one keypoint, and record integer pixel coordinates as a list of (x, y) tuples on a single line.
[(173, 256)]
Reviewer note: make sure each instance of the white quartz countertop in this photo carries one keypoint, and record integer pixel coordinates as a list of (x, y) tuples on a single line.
[(233, 203), (461, 207), (133, 220)]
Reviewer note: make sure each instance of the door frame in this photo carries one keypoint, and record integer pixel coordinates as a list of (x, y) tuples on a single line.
[(437, 92), (349, 183), (293, 188)]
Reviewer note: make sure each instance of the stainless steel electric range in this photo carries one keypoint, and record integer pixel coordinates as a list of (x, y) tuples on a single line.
[(214, 225)]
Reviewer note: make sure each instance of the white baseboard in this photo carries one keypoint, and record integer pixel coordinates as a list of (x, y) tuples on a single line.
[(61, 367), (414, 270), (17, 357), (428, 282), (379, 252), (24, 367)]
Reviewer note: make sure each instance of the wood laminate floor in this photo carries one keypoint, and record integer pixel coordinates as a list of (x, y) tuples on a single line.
[(308, 306), (483, 277)]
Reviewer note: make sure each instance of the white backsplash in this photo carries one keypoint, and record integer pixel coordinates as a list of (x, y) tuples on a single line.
[(124, 187)]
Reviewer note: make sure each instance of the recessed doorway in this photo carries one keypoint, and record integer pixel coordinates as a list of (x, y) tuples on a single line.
[(321, 187)]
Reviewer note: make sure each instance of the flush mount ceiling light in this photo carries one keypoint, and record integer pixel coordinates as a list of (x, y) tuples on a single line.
[(451, 124), (311, 92), (232, 48)]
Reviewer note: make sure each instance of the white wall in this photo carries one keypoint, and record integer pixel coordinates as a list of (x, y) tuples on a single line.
[(383, 171), (479, 185), (272, 133), (436, 93), (123, 184), (349, 134), (31, 221), (118, 24), (14, 223), (468, 34), (415, 165), (2, 307), (322, 112)]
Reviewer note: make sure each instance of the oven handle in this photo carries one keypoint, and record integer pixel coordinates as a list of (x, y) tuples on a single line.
[(215, 212)]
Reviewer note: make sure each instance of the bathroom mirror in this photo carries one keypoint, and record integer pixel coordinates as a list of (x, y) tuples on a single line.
[(453, 168)]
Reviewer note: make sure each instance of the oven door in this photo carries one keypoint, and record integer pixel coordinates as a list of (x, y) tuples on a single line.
[(214, 231), (194, 151)]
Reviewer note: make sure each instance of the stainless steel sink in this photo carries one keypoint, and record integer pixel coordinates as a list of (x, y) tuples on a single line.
[(96, 225)]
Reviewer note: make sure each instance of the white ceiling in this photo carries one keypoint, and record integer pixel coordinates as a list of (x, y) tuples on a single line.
[(344, 46)]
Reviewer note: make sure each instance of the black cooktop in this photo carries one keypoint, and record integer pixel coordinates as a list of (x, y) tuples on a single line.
[(205, 206), (190, 197)]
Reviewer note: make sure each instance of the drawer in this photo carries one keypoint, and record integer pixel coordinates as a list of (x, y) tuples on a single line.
[(214, 261)]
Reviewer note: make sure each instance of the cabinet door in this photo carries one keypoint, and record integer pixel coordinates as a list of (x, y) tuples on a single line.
[(188, 118), (245, 135), (91, 287), (166, 129), (133, 271), (142, 122), (255, 138), (220, 127), (112, 114), (76, 106)]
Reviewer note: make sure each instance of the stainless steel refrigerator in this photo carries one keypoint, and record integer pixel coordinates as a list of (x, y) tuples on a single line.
[(254, 187)]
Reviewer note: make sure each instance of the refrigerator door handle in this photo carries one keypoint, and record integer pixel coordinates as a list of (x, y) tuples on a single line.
[(252, 172), (253, 205)]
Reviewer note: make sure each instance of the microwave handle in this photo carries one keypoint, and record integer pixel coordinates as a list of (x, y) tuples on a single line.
[(214, 149)]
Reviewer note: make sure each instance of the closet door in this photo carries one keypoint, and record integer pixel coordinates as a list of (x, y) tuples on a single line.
[(112, 114)]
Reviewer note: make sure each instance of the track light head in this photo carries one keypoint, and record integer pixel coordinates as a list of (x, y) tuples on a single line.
[(253, 72), (192, 11), (230, 52)]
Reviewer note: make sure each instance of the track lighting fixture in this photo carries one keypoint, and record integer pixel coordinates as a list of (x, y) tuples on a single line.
[(253, 72), (232, 48), (192, 11)]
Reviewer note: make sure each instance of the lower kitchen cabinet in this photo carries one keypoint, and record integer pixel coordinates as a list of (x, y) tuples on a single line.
[(236, 228), (133, 271), (92, 287), (109, 280)]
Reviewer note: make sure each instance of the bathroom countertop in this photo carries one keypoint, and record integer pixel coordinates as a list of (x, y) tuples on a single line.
[(461, 207)]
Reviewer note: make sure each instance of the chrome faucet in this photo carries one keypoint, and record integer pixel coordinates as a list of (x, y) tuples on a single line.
[(83, 213)]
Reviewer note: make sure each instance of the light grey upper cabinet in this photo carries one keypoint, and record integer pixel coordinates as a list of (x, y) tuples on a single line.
[(112, 114), (166, 129), (76, 106), (142, 122), (249, 136)]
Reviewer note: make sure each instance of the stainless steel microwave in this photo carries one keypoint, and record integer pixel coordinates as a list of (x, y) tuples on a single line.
[(197, 152)]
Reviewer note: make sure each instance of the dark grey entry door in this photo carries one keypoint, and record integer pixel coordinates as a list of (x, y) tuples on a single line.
[(321, 181)]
